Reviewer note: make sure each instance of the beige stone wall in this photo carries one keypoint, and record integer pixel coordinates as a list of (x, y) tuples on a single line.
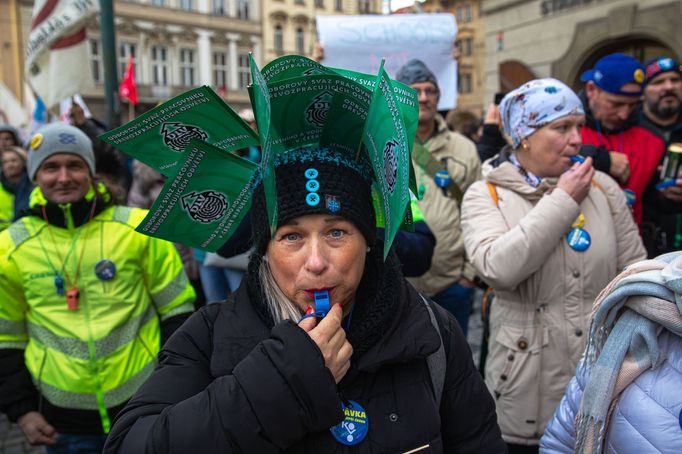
[(553, 41), (471, 43)]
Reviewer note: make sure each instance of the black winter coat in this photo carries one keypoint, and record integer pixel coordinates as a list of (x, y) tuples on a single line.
[(228, 383)]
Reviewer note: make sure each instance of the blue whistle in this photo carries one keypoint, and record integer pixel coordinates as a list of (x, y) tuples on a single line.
[(577, 158), (321, 303)]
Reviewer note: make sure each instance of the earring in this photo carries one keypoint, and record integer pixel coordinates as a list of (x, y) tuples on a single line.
[(525, 146)]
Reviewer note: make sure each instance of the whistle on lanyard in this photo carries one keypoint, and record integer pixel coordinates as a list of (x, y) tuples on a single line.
[(577, 158), (72, 297)]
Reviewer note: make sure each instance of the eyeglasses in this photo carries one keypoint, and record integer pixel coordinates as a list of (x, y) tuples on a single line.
[(428, 91)]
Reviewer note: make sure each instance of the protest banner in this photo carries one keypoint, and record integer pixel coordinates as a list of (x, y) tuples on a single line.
[(360, 42)]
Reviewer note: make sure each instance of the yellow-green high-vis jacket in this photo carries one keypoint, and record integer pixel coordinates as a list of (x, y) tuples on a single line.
[(95, 354)]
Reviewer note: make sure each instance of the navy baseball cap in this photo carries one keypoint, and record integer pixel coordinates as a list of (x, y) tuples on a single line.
[(610, 73), (660, 65)]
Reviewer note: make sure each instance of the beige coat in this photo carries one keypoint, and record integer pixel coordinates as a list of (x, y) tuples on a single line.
[(442, 213), (544, 290)]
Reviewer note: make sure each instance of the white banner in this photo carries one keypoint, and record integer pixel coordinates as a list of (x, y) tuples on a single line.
[(54, 19), (360, 42), (56, 53)]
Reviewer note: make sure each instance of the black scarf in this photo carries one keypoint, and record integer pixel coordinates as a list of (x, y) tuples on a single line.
[(80, 211), (378, 300)]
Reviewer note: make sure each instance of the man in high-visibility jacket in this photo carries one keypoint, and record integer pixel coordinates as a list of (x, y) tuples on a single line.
[(85, 301)]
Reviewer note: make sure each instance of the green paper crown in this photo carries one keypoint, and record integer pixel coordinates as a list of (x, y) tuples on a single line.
[(297, 102)]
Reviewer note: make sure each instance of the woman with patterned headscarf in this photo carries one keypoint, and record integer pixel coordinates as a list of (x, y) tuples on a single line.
[(547, 232)]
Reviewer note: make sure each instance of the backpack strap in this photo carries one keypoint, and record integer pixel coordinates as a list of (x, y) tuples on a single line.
[(430, 166), (436, 361), (493, 193)]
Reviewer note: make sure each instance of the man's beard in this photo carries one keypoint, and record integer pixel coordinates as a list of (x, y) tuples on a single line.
[(665, 111)]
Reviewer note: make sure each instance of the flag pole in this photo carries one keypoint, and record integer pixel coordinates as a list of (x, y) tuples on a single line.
[(109, 60), (131, 110)]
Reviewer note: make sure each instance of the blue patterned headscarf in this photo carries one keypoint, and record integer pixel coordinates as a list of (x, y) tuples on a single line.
[(534, 104)]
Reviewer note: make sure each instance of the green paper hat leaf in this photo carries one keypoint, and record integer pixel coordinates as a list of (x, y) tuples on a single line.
[(409, 107), (202, 205), (388, 145), (159, 137), (297, 102), (262, 109)]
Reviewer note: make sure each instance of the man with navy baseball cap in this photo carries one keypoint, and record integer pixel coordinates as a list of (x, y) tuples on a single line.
[(613, 88)]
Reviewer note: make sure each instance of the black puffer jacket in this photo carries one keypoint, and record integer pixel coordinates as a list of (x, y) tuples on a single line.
[(228, 381)]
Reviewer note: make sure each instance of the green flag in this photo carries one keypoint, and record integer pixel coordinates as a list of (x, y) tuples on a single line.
[(159, 137), (205, 201)]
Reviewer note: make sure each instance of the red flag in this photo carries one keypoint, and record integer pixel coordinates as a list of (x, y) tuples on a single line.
[(128, 88)]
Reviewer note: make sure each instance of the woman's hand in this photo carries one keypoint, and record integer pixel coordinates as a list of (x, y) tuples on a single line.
[(577, 180), (331, 340)]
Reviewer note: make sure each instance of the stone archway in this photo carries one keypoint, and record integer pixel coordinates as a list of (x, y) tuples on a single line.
[(624, 29)]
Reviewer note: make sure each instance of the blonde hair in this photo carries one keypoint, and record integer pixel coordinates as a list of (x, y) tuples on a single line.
[(278, 304)]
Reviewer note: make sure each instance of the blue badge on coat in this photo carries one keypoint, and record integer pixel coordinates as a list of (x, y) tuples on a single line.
[(354, 427), (59, 284), (579, 239), (442, 179), (105, 270)]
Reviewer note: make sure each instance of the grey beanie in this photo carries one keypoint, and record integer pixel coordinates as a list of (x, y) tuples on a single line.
[(58, 138), (12, 130), (414, 72)]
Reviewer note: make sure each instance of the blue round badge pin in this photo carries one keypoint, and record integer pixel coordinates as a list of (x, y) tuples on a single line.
[(442, 179), (105, 270), (578, 239), (354, 427)]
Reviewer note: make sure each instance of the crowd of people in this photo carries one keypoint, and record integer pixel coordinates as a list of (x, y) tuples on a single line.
[(565, 206)]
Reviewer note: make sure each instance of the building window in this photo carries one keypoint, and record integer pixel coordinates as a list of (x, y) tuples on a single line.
[(186, 5), (96, 61), (219, 7), (300, 41), (319, 3), (464, 13), (243, 9), (187, 67), (464, 83), (160, 65), (220, 70), (125, 51), (279, 39), (243, 71), (338, 5), (466, 47), (363, 6), (299, 2), (159, 2)]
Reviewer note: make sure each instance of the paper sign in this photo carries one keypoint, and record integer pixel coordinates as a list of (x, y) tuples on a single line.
[(360, 42)]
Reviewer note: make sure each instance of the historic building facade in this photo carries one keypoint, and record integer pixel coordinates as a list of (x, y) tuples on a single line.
[(562, 38), (470, 51)]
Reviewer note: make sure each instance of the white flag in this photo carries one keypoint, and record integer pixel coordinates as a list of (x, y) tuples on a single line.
[(56, 54), (11, 110)]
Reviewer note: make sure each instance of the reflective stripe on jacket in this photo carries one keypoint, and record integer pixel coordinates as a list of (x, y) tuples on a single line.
[(96, 356)]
